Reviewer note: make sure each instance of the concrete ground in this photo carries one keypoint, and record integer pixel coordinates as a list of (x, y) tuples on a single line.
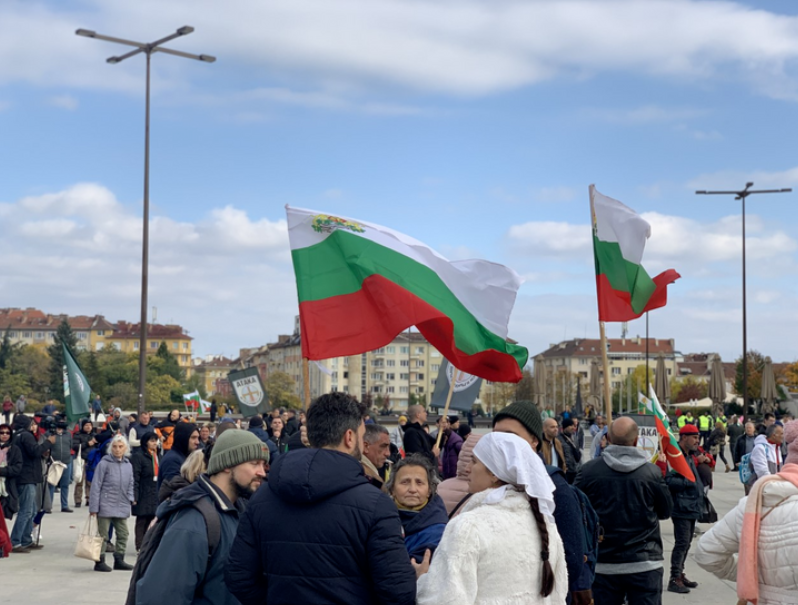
[(53, 576)]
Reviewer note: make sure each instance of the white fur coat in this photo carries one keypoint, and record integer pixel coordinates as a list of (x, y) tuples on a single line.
[(490, 555)]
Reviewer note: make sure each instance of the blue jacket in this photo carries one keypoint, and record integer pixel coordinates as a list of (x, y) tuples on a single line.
[(170, 465), (180, 572), (318, 532), (424, 528), (264, 436), (112, 488)]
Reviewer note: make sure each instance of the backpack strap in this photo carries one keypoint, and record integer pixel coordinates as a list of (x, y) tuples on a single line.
[(212, 522)]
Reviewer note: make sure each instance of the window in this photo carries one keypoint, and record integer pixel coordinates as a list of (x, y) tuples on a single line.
[(421, 376), (390, 376), (435, 367), (375, 389), (40, 336), (376, 376), (346, 375), (174, 346), (390, 363), (346, 389), (185, 346), (391, 349), (26, 335), (419, 350), (404, 363), (616, 371), (117, 346), (380, 351), (389, 389), (100, 332), (403, 389), (582, 361), (435, 353), (81, 336), (12, 334), (669, 371), (52, 335), (153, 345), (419, 389), (135, 345), (335, 376), (403, 376), (184, 358), (419, 363), (404, 350), (99, 346)]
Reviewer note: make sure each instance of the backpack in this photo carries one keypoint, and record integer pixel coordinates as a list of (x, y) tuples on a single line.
[(592, 532), (747, 468), (93, 459), (152, 539)]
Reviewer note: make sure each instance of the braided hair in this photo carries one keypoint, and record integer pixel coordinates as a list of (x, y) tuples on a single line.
[(547, 579)]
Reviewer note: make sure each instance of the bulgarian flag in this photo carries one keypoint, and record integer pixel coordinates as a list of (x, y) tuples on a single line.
[(625, 290), (192, 400), (360, 285), (670, 444)]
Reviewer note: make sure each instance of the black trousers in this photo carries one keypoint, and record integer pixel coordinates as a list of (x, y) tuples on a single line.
[(643, 588), (683, 530), (142, 523)]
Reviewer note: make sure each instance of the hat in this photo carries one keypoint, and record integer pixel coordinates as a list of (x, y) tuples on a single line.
[(402, 418), (688, 429), (566, 422), (236, 447), (791, 439), (255, 421), (526, 413)]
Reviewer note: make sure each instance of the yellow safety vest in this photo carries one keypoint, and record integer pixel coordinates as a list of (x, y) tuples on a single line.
[(703, 423), (682, 421), (722, 420)]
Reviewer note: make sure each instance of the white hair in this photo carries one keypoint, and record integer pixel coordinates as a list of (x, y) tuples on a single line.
[(119, 439)]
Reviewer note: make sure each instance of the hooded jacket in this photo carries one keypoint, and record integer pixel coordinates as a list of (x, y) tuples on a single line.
[(630, 497), (451, 453), (32, 451), (424, 528), (417, 441), (112, 488), (260, 433), (180, 571), (766, 458), (318, 532), (175, 457)]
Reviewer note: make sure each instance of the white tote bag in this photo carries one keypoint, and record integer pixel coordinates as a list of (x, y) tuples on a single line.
[(77, 467), (90, 542), (55, 471)]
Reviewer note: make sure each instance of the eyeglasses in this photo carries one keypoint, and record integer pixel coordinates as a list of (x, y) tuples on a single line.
[(5, 432)]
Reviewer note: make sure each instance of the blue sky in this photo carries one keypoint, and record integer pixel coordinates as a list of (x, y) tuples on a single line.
[(473, 126)]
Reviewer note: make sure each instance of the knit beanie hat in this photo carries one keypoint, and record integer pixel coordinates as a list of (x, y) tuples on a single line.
[(255, 421), (236, 447), (791, 439), (526, 413)]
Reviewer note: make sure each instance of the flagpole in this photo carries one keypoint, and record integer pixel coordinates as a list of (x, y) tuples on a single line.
[(606, 363), (306, 382), (446, 407)]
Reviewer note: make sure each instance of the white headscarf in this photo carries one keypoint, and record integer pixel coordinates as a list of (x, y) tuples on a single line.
[(514, 461)]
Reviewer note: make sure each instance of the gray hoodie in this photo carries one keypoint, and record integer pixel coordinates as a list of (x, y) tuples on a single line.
[(624, 458)]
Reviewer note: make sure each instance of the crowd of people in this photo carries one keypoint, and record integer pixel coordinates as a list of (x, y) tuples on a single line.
[(331, 507)]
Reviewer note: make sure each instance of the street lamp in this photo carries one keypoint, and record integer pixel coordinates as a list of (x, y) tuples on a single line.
[(148, 49), (741, 195)]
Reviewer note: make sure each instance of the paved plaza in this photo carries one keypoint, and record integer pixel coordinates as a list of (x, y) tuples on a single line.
[(53, 576)]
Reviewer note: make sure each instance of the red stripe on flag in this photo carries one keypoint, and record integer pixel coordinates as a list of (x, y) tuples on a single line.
[(374, 315), (615, 305), (673, 453)]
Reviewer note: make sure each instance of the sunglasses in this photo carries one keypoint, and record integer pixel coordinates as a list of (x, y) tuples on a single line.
[(5, 432)]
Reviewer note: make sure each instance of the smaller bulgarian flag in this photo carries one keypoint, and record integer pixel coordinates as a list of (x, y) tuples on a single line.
[(625, 290), (192, 400), (670, 444)]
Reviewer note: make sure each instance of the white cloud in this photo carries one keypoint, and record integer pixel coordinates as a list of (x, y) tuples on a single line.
[(67, 102), (644, 115), (471, 47), (546, 238), (85, 245)]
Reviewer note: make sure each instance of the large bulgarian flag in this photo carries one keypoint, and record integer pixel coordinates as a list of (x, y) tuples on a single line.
[(670, 444), (360, 285), (625, 290)]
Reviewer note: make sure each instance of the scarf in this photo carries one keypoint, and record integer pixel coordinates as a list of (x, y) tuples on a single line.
[(748, 559)]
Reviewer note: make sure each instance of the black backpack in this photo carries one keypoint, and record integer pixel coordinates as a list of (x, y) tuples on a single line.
[(149, 545)]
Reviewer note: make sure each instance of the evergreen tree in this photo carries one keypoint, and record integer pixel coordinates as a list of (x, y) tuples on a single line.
[(64, 334), (170, 366), (6, 349)]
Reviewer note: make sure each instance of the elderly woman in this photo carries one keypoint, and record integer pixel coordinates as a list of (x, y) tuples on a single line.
[(111, 498), (412, 486), (503, 547)]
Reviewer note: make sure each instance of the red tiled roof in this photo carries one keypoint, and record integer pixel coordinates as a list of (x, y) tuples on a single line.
[(34, 319), (591, 347), (126, 331)]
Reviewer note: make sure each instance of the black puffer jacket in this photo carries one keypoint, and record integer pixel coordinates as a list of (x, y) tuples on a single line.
[(688, 497), (145, 488), (80, 440), (318, 532), (32, 451), (630, 497), (417, 441)]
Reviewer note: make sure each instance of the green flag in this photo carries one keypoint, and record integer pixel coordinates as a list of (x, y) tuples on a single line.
[(77, 391)]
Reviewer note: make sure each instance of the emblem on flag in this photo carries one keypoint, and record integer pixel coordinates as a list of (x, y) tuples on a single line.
[(325, 223)]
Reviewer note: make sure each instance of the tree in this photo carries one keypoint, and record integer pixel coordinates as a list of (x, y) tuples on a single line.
[(64, 334), (195, 383), (170, 367), (525, 389), (280, 387), (6, 350), (687, 389), (33, 364), (756, 362)]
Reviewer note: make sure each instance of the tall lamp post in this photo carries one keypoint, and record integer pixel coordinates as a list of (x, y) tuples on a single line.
[(148, 49), (741, 195)]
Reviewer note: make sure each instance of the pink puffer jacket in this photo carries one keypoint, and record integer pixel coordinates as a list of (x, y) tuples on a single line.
[(455, 489)]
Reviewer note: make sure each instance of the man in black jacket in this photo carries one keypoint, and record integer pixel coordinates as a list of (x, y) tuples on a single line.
[(30, 476), (573, 454), (630, 497), (688, 504), (318, 532), (416, 439), (522, 418)]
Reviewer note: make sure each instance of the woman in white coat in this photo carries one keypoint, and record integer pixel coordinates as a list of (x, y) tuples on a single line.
[(756, 544), (503, 548)]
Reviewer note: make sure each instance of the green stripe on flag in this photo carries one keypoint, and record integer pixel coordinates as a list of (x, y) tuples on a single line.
[(623, 275)]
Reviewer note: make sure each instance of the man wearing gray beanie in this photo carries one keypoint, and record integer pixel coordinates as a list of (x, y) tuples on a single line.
[(188, 565)]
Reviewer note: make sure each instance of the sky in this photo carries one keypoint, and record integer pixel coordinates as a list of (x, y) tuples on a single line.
[(474, 126)]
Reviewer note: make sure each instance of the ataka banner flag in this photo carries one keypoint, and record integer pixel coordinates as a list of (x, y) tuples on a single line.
[(466, 388), (77, 391), (248, 388)]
